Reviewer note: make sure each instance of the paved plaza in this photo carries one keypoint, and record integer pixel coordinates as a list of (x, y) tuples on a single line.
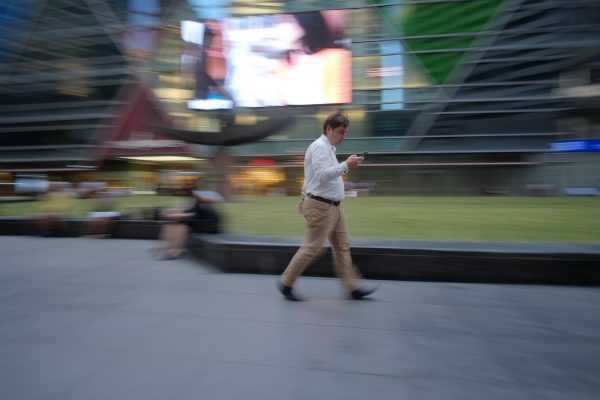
[(101, 319)]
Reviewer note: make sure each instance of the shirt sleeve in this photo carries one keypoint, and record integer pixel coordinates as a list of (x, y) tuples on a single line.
[(344, 166), (324, 169)]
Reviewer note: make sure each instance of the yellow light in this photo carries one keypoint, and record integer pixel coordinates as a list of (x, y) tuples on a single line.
[(354, 115), (173, 94), (246, 119)]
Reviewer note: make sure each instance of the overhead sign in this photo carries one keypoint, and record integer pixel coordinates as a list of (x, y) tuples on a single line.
[(584, 145)]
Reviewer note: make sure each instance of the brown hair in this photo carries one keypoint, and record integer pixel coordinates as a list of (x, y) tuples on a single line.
[(336, 119)]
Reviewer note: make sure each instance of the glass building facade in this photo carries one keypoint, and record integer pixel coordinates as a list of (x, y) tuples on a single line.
[(448, 97)]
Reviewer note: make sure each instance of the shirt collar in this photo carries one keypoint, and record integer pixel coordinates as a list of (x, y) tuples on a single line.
[(327, 142)]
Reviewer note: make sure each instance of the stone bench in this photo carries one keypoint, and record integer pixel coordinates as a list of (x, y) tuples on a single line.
[(122, 229), (448, 261), (416, 260)]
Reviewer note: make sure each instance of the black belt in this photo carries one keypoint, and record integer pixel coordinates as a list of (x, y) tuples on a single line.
[(324, 200)]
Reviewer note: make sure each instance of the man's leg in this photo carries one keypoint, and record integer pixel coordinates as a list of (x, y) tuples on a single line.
[(340, 246), (319, 221)]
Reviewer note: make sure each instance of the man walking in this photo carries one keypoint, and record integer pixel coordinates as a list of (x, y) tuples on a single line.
[(322, 193)]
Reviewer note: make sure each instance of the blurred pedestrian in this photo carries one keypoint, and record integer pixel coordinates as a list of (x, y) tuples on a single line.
[(53, 207), (104, 215), (201, 217), (322, 194)]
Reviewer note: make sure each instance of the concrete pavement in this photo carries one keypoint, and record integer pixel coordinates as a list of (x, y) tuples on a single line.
[(100, 319)]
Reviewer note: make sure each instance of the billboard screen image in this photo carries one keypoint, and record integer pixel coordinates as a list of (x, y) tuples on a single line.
[(269, 60)]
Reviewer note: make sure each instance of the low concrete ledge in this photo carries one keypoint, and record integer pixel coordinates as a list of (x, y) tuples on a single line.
[(136, 229), (542, 263), (447, 261), (122, 229)]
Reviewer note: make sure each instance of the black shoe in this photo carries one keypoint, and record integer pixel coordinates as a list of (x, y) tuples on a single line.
[(363, 291), (287, 292)]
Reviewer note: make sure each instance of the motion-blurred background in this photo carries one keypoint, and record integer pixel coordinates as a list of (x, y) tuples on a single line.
[(494, 97)]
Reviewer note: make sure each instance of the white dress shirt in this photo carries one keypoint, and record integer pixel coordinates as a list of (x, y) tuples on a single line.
[(322, 171)]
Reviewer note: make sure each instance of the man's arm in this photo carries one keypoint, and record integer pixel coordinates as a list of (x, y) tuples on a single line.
[(325, 171)]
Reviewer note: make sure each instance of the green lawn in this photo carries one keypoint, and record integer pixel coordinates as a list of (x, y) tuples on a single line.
[(557, 219), (541, 219)]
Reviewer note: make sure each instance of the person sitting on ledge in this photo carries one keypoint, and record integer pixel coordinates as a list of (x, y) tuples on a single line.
[(103, 217), (202, 217)]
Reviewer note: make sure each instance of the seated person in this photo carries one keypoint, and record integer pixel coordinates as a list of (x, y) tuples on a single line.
[(53, 208), (202, 217), (102, 218)]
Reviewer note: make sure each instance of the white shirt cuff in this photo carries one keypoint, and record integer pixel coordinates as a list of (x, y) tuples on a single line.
[(344, 166)]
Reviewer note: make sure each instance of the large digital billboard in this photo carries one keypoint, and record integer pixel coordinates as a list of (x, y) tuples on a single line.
[(269, 60)]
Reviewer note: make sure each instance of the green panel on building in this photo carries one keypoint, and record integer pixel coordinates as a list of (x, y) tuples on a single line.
[(461, 21)]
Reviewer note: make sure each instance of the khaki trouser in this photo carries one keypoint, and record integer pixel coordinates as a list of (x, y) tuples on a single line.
[(324, 221)]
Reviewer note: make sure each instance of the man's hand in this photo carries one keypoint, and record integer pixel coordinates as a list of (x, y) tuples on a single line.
[(354, 160), (301, 207)]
